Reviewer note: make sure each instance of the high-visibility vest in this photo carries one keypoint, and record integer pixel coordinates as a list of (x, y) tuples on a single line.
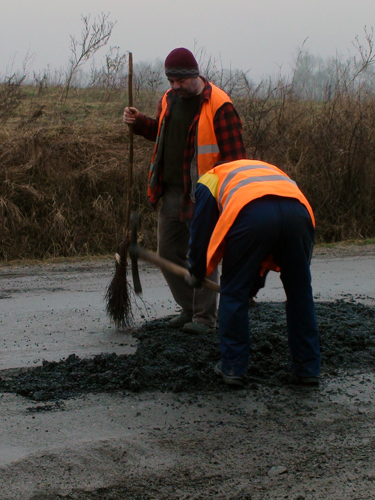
[(207, 148), (234, 185)]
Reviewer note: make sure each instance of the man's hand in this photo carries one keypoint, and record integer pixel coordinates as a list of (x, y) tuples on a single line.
[(193, 281), (130, 115)]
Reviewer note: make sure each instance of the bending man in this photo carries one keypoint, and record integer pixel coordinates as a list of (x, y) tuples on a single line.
[(254, 218)]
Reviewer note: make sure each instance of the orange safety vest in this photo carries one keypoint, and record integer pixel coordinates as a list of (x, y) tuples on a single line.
[(234, 185), (207, 148)]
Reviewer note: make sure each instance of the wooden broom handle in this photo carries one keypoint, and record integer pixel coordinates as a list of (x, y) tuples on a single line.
[(131, 147)]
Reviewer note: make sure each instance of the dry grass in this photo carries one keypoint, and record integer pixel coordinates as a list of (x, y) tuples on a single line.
[(63, 189), (63, 169)]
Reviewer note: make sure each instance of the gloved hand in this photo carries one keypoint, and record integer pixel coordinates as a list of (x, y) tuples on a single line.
[(193, 281)]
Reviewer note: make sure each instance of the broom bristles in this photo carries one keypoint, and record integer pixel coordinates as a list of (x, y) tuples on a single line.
[(117, 295)]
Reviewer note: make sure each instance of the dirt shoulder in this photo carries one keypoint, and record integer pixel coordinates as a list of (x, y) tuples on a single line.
[(346, 249)]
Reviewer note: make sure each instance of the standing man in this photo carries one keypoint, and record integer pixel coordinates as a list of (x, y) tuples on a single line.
[(196, 126), (252, 215)]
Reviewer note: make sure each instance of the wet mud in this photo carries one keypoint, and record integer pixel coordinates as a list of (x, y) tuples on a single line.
[(167, 360)]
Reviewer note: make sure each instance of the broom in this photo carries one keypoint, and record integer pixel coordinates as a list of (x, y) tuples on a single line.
[(117, 295)]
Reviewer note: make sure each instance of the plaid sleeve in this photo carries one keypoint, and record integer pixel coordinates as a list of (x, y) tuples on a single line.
[(228, 130), (147, 127)]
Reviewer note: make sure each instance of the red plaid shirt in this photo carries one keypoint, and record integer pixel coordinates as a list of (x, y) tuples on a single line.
[(228, 130)]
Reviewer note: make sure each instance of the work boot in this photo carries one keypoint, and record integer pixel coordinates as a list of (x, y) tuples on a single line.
[(237, 380), (197, 328), (179, 320)]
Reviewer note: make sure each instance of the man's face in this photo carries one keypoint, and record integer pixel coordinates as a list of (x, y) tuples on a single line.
[(184, 87)]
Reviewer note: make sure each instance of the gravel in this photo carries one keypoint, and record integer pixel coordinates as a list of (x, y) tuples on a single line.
[(168, 360)]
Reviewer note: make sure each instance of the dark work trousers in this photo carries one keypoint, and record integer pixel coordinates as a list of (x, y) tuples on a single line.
[(281, 227), (173, 245)]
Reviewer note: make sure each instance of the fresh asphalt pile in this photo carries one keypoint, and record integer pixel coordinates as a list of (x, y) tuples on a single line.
[(171, 361)]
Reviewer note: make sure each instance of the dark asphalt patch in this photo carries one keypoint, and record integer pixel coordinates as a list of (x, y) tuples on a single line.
[(168, 360)]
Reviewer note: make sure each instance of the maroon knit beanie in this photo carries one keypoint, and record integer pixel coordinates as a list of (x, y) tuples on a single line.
[(181, 63)]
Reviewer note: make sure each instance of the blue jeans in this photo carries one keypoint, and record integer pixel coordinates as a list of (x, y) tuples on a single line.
[(281, 227)]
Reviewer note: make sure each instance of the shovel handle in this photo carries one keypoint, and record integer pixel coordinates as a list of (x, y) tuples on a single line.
[(167, 265)]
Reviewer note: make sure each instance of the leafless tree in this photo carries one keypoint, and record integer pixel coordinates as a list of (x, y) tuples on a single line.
[(94, 36), (366, 53)]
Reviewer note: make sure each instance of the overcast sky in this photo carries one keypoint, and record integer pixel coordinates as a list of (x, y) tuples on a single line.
[(258, 36)]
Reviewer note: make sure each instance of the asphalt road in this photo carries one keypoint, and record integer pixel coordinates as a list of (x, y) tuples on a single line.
[(50, 311), (53, 310)]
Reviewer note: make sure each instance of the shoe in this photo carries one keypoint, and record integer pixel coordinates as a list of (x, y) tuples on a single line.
[(179, 320), (197, 328), (308, 381), (238, 380)]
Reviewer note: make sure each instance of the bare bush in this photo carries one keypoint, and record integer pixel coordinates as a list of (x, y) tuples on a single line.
[(109, 76), (41, 81), (231, 81), (328, 147), (149, 79), (11, 91), (11, 94)]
